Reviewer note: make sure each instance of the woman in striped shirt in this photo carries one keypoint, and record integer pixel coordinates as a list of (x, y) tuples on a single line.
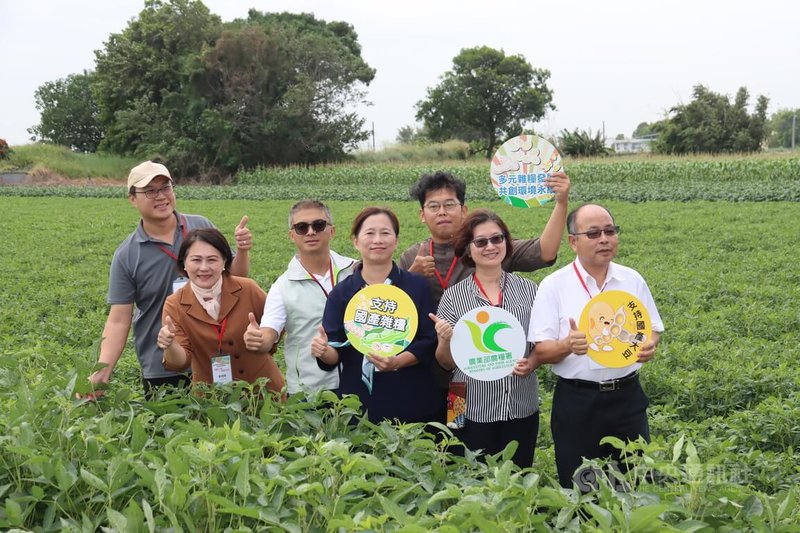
[(507, 409)]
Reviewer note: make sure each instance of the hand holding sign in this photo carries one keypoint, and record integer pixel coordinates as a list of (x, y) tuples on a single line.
[(253, 336), (559, 182), (576, 339), (243, 235), (167, 334)]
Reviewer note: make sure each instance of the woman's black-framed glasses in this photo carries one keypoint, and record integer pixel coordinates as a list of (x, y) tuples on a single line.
[(595, 233), (481, 242), (301, 228)]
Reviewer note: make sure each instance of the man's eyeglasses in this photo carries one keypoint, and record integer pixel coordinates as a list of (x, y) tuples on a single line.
[(301, 228), (595, 233), (481, 242), (434, 207), (153, 193)]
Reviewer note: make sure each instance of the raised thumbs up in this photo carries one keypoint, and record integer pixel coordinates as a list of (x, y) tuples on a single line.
[(253, 336), (423, 263), (576, 339), (319, 344), (167, 333), (243, 235), (443, 328)]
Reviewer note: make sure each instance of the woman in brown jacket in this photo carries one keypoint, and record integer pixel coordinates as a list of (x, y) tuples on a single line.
[(204, 322)]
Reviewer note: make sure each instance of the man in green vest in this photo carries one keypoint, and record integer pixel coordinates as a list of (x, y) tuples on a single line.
[(296, 301)]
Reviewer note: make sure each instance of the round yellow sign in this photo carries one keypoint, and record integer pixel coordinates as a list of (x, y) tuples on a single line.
[(381, 320), (616, 324)]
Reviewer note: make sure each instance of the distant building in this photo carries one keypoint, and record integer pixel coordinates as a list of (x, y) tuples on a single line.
[(633, 146)]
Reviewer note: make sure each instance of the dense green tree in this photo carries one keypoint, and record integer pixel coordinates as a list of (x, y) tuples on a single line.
[(281, 88), (212, 97), (582, 143), (69, 113), (712, 123), (644, 128), (486, 98), (141, 73), (780, 125)]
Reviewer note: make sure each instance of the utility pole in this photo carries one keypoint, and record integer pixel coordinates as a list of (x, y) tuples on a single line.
[(794, 126), (373, 135)]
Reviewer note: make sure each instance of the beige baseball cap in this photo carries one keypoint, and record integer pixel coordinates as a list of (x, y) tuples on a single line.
[(144, 173)]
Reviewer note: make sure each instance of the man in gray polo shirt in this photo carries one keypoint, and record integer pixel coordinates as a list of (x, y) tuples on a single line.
[(144, 272)]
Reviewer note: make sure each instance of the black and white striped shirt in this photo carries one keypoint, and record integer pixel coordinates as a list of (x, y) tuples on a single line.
[(511, 397)]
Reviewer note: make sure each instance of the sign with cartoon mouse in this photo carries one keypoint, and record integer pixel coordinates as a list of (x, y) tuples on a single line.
[(519, 168), (616, 324), (380, 319), (486, 343)]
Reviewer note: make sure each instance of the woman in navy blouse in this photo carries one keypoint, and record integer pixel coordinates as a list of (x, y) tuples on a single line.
[(398, 388)]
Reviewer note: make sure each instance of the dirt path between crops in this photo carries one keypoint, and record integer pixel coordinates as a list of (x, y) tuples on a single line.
[(47, 178)]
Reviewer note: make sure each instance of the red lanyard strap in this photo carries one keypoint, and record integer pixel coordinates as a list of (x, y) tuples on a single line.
[(313, 277), (580, 278), (500, 297), (220, 333), (183, 236), (446, 281)]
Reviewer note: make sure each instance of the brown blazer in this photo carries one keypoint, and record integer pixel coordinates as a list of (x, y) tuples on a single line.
[(197, 332)]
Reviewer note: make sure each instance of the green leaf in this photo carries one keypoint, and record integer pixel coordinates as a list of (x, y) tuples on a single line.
[(94, 481), (646, 517)]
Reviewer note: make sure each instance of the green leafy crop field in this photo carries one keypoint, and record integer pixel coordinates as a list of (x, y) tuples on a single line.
[(725, 406)]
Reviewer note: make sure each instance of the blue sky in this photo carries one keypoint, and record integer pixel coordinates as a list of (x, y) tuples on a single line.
[(612, 64)]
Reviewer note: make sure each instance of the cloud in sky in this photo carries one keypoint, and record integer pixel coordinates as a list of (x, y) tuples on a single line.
[(612, 64)]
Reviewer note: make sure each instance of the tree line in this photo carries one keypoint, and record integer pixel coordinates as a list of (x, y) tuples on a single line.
[(281, 88)]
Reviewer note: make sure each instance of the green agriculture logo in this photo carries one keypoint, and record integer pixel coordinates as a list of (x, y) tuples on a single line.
[(484, 340)]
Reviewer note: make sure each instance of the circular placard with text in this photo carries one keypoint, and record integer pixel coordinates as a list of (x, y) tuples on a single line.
[(487, 342), (519, 167), (616, 324), (381, 319)]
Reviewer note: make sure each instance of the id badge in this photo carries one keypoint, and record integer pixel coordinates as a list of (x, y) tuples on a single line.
[(221, 368), (178, 283)]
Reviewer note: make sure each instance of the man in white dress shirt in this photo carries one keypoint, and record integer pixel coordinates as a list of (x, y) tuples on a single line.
[(590, 401)]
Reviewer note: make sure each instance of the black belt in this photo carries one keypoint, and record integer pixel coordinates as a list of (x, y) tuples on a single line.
[(604, 386)]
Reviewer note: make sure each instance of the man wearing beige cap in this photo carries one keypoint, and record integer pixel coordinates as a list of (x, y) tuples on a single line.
[(143, 273)]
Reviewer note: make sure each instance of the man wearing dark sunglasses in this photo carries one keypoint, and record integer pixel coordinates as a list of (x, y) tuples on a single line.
[(441, 198), (296, 301), (144, 272), (590, 401)]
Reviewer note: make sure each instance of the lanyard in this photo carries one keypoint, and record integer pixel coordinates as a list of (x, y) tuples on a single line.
[(330, 271), (499, 299), (446, 281), (220, 332), (183, 236), (580, 278)]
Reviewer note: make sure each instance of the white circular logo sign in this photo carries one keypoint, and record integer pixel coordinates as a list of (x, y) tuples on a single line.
[(487, 342)]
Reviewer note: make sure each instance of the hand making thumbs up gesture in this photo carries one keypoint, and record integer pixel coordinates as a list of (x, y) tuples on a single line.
[(243, 235), (253, 336), (319, 344), (576, 339), (443, 328), (423, 263), (167, 334)]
